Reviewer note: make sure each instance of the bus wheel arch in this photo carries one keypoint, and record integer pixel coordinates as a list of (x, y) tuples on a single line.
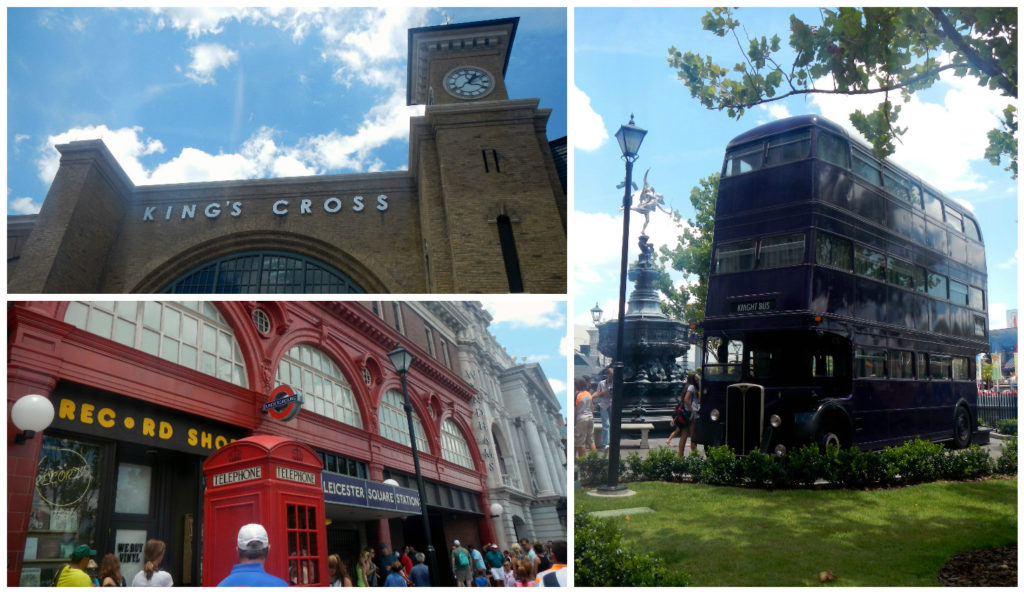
[(832, 428), (962, 426)]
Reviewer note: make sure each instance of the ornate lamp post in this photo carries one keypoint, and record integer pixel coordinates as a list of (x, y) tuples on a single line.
[(402, 360), (595, 314), (629, 137)]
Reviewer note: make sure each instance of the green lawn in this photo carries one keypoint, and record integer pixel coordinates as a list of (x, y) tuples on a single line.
[(724, 536)]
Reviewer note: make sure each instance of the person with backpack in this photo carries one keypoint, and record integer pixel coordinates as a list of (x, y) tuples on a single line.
[(461, 566), (685, 414)]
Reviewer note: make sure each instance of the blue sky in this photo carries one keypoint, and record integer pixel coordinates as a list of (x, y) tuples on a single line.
[(620, 67), (196, 94), (535, 329)]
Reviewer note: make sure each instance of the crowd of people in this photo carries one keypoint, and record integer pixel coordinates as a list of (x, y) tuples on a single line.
[(683, 420), (524, 564)]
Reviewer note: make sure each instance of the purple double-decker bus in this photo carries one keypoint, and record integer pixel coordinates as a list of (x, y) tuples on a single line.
[(846, 303)]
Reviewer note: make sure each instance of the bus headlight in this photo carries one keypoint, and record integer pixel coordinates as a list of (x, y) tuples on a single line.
[(715, 415), (776, 421)]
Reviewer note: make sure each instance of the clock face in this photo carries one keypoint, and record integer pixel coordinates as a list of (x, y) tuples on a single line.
[(468, 82)]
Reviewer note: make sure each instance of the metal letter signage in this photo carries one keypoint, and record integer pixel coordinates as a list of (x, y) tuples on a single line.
[(284, 403)]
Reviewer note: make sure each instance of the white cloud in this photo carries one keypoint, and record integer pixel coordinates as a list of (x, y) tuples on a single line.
[(586, 125), (23, 206), (125, 144), (1010, 264), (206, 59), (525, 314), (997, 316), (557, 386)]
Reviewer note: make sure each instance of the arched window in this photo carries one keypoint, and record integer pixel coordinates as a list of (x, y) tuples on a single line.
[(453, 445), (263, 272), (395, 426), (309, 370), (189, 333)]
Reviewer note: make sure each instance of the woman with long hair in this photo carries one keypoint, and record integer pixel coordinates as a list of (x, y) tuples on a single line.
[(110, 571), (364, 569), (686, 413), (337, 572), (151, 574)]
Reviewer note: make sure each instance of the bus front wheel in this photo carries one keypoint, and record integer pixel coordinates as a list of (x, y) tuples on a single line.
[(961, 428)]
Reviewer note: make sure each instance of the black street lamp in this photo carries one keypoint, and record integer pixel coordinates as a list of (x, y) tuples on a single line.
[(402, 360), (595, 314), (629, 137)]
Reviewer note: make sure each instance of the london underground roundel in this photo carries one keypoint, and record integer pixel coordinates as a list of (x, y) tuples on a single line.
[(283, 403)]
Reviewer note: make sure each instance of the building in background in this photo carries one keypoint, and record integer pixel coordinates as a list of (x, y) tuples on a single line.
[(520, 428), (145, 391)]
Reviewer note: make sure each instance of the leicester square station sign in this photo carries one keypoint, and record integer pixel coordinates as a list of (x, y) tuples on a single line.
[(236, 208)]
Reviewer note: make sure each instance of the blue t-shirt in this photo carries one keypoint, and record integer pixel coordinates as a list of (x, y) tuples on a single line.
[(478, 559), (251, 574), (395, 580), (480, 581), (420, 575)]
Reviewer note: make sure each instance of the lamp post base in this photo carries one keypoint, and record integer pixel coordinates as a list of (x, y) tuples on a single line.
[(608, 491)]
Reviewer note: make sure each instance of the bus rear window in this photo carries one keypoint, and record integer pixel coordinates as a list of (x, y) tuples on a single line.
[(735, 257), (792, 146), (743, 160)]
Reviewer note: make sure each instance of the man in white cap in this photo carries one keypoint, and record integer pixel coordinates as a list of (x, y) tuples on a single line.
[(253, 547)]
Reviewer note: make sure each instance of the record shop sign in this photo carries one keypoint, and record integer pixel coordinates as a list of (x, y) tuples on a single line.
[(234, 209), (113, 417)]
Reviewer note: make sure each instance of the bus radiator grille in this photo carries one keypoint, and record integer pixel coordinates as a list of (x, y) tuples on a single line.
[(744, 417)]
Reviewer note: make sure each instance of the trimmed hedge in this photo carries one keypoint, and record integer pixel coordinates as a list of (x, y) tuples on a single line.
[(600, 560), (914, 462), (1006, 426)]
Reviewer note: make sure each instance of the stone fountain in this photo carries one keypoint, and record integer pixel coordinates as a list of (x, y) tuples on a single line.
[(652, 379)]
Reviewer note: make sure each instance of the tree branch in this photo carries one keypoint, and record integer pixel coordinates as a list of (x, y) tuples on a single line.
[(986, 65)]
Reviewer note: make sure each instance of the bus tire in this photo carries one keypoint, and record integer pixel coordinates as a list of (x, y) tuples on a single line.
[(961, 428)]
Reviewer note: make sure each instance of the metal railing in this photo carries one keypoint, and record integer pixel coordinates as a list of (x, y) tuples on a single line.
[(994, 405)]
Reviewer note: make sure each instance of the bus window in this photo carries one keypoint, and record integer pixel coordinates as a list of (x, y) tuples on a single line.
[(722, 359), (761, 363), (833, 149), (834, 251), (979, 326), (823, 365), (961, 368), (870, 363), (937, 286), (905, 274), (868, 262), (955, 220), (922, 366), (939, 367), (932, 205), (782, 251), (789, 147), (971, 229), (743, 160), (976, 298), (902, 188), (735, 257), (957, 292), (901, 365), (866, 167)]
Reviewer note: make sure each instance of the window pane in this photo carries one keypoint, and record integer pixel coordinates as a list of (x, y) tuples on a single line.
[(937, 286), (901, 365), (789, 147), (932, 206), (957, 292), (188, 356), (151, 315), (101, 323), (954, 219), (833, 149), (870, 363), (169, 349), (150, 342), (905, 274), (744, 160), (782, 251), (971, 229), (76, 314), (902, 188), (867, 168), (736, 257), (172, 323), (124, 332), (869, 263), (976, 298)]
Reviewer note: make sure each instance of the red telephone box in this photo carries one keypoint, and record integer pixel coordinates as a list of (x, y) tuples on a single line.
[(271, 481)]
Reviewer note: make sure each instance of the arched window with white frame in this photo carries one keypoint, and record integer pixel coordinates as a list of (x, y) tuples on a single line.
[(189, 333), (394, 425), (453, 445), (327, 392)]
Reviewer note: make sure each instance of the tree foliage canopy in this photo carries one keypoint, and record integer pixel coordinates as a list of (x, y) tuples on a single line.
[(692, 256), (857, 51)]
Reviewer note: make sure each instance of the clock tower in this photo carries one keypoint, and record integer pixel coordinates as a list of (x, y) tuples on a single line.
[(492, 207)]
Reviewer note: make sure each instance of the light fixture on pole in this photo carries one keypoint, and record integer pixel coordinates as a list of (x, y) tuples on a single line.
[(402, 360), (31, 414), (629, 137), (595, 314)]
